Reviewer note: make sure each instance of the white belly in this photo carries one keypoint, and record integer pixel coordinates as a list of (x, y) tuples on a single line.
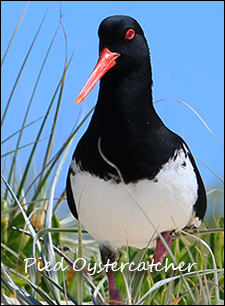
[(124, 214)]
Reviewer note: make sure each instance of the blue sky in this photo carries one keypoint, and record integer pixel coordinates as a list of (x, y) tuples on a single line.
[(186, 40)]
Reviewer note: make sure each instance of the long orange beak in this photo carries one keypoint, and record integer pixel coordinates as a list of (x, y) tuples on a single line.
[(106, 61)]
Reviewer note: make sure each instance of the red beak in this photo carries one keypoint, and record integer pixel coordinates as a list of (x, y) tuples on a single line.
[(106, 61)]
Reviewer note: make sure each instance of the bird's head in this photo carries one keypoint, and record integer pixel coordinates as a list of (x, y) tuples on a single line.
[(123, 49)]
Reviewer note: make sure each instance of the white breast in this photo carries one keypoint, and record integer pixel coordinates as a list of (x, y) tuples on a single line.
[(111, 212)]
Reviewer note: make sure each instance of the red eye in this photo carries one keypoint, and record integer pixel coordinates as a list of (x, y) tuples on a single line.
[(130, 34)]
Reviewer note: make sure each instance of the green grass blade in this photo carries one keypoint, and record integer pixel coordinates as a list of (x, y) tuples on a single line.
[(59, 287), (41, 182), (20, 148), (79, 273), (10, 98), (50, 143), (167, 280), (22, 295), (28, 223), (38, 290), (50, 254), (21, 69), (35, 144), (26, 126), (217, 300), (3, 245), (55, 159), (44, 121), (14, 33)]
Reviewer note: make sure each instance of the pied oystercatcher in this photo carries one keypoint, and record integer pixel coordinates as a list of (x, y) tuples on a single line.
[(129, 171)]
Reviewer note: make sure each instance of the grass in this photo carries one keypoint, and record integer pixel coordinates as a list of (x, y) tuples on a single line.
[(31, 227)]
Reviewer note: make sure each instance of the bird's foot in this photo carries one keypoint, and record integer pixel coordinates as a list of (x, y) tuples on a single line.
[(161, 250), (110, 255), (114, 294)]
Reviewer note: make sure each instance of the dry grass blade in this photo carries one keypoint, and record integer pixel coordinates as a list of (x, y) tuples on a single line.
[(188, 106)]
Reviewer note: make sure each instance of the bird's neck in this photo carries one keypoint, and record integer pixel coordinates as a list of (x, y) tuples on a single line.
[(126, 98)]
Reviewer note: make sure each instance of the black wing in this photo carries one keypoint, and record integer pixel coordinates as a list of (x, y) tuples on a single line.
[(69, 194), (201, 203)]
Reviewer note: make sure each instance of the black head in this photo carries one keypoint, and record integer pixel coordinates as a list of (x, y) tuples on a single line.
[(124, 35), (124, 56)]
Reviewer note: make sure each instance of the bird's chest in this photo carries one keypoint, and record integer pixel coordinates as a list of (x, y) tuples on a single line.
[(130, 213)]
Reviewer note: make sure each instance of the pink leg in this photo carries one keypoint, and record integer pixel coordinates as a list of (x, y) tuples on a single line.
[(161, 251), (114, 294)]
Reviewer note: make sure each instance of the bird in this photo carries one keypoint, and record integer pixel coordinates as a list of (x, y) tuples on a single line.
[(132, 180)]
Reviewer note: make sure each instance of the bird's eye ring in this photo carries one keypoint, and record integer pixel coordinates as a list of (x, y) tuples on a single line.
[(130, 34)]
